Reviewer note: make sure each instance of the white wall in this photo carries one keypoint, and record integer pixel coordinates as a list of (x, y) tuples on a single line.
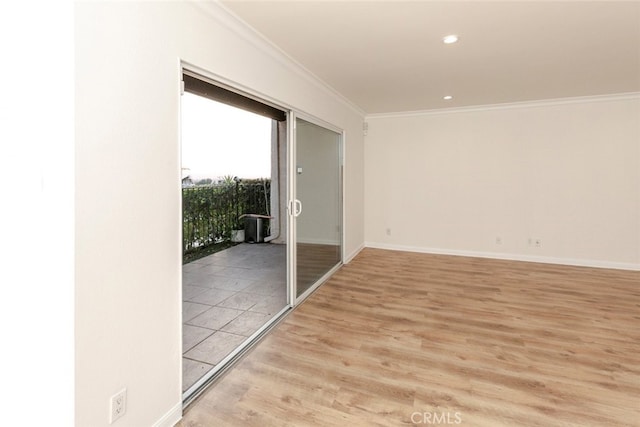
[(565, 173), (128, 247)]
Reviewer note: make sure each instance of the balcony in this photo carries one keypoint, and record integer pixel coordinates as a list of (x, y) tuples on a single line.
[(229, 289), (226, 297), (210, 213)]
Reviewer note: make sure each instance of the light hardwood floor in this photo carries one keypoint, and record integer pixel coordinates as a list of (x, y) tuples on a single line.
[(314, 261), (397, 338)]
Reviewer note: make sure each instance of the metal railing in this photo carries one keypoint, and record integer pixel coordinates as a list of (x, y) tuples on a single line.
[(210, 212)]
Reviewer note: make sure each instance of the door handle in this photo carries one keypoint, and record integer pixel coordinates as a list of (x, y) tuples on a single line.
[(297, 208)]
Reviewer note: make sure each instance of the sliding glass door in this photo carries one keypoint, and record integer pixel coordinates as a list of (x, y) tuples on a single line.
[(318, 208), (261, 219)]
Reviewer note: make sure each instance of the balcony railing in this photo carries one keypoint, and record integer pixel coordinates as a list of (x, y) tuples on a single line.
[(210, 212)]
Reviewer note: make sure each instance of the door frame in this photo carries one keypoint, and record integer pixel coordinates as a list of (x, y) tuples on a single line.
[(292, 301), (189, 395)]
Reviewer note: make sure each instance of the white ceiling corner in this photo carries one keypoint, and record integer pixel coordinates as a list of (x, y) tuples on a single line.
[(388, 56)]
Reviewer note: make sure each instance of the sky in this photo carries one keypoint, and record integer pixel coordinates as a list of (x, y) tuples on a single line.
[(219, 140)]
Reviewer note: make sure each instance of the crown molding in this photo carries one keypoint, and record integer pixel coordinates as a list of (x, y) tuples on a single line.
[(509, 106), (234, 23)]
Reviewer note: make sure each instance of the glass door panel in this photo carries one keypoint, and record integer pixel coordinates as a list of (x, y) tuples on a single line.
[(318, 175)]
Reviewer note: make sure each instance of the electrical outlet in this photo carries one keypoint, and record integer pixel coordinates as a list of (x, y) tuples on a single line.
[(118, 405), (538, 243), (388, 232), (498, 240)]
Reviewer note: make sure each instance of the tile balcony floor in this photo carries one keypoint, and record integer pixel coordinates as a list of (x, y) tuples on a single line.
[(226, 297)]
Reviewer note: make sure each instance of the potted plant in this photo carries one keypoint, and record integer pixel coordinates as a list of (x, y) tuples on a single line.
[(237, 233)]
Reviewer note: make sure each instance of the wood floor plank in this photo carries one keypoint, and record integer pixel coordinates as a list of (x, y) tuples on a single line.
[(398, 338)]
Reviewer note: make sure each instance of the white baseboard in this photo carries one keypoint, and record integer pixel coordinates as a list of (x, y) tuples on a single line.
[(171, 418), (511, 257), (353, 254)]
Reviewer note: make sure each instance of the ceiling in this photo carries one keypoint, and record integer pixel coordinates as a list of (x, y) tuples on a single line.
[(388, 56)]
